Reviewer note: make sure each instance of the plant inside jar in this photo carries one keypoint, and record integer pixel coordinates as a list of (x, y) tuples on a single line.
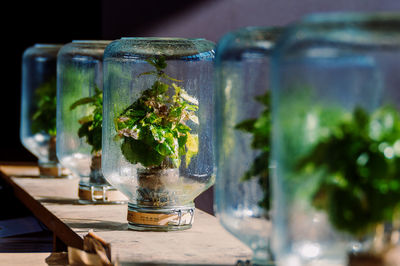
[(44, 117), (91, 130), (260, 129), (155, 134), (360, 187)]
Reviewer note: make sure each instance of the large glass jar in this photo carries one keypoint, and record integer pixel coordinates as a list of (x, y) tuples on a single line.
[(336, 140), (157, 135), (242, 196), (79, 118), (38, 106)]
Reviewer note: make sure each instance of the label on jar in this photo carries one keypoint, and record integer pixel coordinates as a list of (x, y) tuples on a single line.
[(158, 218), (110, 195), (50, 171)]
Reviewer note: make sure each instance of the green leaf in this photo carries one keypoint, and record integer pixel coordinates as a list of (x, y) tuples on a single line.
[(136, 151), (44, 117), (91, 125), (82, 101), (192, 145), (160, 113)]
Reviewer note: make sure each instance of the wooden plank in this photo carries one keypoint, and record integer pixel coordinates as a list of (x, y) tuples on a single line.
[(17, 259), (55, 203), (60, 229)]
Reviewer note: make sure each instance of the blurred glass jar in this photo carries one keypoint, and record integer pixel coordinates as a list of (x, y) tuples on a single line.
[(157, 135), (242, 192), (79, 118), (336, 137), (38, 106)]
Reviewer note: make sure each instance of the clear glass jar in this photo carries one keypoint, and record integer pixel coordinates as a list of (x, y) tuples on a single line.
[(38, 106), (336, 138), (242, 196), (79, 118), (157, 134)]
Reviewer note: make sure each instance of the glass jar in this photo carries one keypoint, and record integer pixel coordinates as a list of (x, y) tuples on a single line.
[(242, 196), (79, 118), (38, 106), (336, 139), (157, 134)]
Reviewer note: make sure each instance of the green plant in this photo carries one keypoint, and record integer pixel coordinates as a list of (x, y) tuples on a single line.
[(44, 118), (260, 128), (360, 165), (154, 128), (91, 125)]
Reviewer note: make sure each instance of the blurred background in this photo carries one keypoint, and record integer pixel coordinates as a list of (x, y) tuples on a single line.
[(29, 22)]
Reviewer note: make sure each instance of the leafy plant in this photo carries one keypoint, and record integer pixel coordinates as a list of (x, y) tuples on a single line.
[(260, 128), (44, 118), (154, 128), (91, 125), (360, 164)]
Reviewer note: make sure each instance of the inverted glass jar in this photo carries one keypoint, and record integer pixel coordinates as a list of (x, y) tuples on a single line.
[(335, 139), (38, 106), (242, 196), (79, 118), (157, 134)]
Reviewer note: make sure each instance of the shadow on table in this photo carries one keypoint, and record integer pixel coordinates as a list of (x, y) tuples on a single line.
[(169, 264), (96, 224), (62, 201), (69, 201)]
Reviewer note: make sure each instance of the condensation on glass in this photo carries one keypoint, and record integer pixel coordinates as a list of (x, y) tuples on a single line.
[(38, 106), (242, 108), (79, 111), (335, 110), (157, 134)]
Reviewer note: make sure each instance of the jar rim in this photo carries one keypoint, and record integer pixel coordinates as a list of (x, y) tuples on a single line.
[(162, 39), (351, 17), (47, 45), (85, 48), (91, 41), (344, 29), (170, 47)]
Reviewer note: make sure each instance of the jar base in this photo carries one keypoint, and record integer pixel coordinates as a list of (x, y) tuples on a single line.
[(254, 262), (99, 194), (172, 218), (52, 170)]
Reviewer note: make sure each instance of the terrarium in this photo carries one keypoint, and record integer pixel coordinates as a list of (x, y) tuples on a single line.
[(242, 148), (79, 118), (157, 134), (38, 106), (336, 141)]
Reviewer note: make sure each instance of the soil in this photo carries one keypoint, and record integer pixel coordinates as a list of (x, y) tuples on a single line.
[(52, 150), (154, 186), (390, 257), (96, 176), (365, 259)]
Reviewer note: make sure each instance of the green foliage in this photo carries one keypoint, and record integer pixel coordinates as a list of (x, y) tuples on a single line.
[(153, 128), (91, 125), (360, 187), (44, 118), (260, 128)]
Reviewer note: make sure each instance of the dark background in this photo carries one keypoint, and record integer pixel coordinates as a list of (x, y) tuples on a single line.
[(24, 23)]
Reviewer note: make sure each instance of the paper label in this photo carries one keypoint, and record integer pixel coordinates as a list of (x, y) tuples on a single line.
[(113, 195), (157, 218)]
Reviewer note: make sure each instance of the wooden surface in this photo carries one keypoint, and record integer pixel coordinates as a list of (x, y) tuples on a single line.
[(17, 259), (55, 203)]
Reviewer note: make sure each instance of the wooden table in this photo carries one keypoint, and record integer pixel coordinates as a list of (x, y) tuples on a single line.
[(55, 203)]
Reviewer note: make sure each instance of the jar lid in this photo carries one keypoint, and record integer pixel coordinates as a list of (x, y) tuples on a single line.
[(43, 50), (84, 48), (171, 48), (365, 30), (248, 40)]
